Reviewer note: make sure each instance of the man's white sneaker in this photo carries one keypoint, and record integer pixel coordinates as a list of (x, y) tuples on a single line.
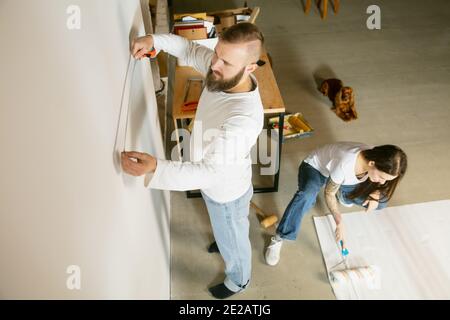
[(273, 251)]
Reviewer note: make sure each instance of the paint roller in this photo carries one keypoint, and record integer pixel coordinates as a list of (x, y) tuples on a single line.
[(266, 220), (363, 275), (360, 275)]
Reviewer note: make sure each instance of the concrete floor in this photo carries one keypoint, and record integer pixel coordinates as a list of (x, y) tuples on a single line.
[(401, 76)]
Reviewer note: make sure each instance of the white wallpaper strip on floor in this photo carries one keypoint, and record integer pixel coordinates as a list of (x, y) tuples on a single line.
[(409, 245)]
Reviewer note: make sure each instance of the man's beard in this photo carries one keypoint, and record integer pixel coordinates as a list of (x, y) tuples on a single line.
[(222, 85)]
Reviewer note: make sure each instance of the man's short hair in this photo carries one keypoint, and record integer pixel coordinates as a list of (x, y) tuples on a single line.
[(244, 32)]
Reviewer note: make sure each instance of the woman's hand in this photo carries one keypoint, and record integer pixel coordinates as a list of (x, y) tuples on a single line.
[(138, 163), (372, 204)]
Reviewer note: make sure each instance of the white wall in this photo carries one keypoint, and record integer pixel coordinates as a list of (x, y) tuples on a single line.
[(63, 198)]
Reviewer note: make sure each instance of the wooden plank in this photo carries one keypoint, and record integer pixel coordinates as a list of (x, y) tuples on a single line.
[(254, 15), (200, 15), (268, 88), (203, 15), (243, 10)]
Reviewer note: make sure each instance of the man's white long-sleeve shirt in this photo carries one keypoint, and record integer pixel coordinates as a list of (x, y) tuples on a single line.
[(226, 127)]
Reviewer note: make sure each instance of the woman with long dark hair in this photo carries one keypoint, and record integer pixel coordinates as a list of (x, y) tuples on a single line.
[(354, 173)]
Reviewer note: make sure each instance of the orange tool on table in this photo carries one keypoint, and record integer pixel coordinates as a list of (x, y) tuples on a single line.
[(189, 106), (192, 94)]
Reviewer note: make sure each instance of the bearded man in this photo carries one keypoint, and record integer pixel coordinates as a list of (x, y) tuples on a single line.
[(228, 121)]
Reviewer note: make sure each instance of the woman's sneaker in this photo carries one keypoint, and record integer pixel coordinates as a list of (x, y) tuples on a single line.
[(341, 200), (273, 251)]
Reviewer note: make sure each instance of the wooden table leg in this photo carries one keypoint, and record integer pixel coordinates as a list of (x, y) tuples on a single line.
[(324, 8), (336, 6), (307, 6)]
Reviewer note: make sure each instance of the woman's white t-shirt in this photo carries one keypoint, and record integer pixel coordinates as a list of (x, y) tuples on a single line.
[(338, 161)]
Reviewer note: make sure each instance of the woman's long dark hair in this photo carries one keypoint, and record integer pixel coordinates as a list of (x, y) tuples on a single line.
[(389, 159)]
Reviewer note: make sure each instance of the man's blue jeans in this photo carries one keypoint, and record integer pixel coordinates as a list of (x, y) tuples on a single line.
[(310, 182), (230, 226)]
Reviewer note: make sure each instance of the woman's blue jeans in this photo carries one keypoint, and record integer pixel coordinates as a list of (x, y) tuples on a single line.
[(310, 182)]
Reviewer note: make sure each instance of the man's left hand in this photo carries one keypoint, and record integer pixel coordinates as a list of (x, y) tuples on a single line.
[(138, 163)]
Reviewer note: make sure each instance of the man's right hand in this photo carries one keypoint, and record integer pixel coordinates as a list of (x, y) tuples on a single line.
[(141, 46)]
